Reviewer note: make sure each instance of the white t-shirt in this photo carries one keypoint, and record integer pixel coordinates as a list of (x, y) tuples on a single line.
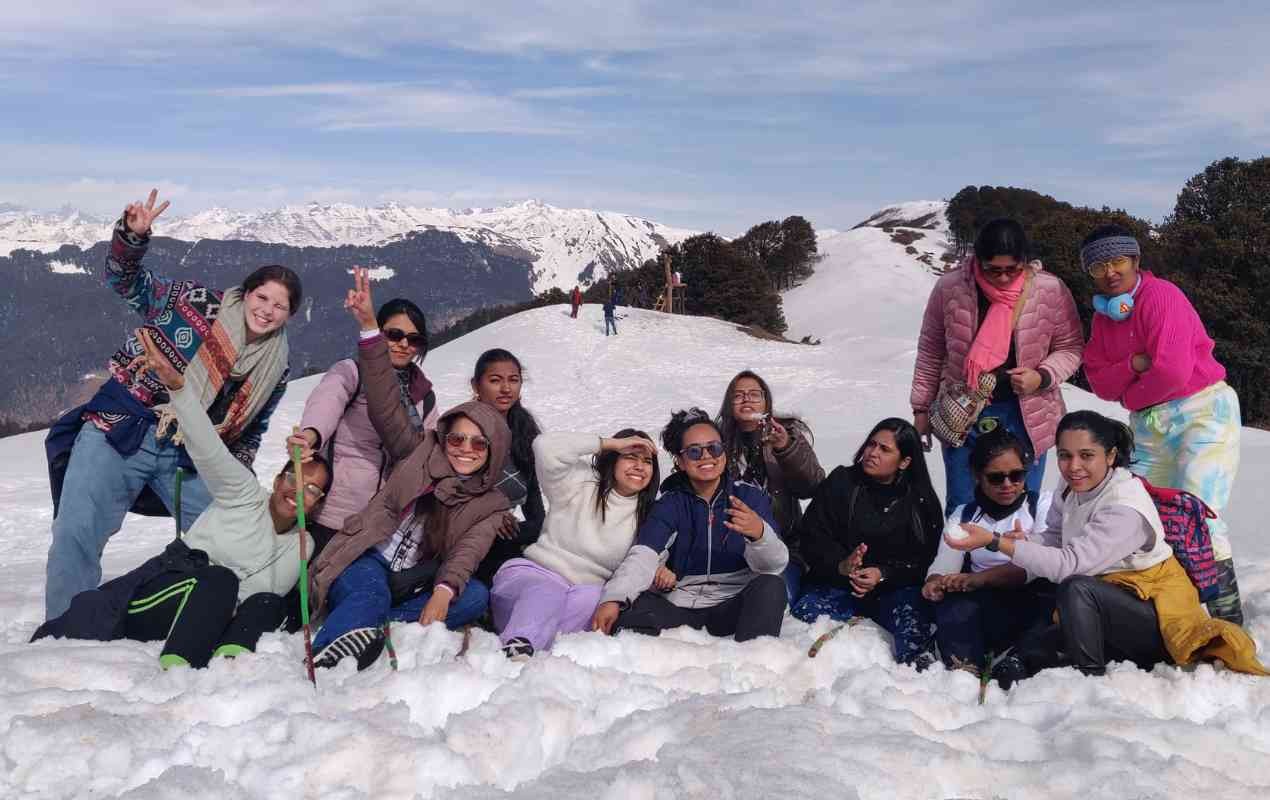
[(949, 561)]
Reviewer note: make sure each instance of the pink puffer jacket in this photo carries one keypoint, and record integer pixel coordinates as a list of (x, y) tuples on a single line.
[(1047, 337), (359, 455)]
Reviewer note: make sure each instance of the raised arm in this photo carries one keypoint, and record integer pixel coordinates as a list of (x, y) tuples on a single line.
[(144, 291)]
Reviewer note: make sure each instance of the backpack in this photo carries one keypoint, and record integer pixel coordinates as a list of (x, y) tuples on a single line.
[(1185, 518)]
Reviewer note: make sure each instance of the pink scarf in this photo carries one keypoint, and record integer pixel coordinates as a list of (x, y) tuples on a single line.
[(992, 343)]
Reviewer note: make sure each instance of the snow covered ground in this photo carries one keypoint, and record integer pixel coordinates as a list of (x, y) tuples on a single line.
[(679, 716)]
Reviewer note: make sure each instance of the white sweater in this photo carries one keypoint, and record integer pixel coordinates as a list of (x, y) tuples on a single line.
[(949, 561), (574, 542)]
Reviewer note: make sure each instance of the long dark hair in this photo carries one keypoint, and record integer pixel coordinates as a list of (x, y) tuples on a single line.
[(730, 428), (1105, 431), (1001, 237), (909, 442), (400, 305), (522, 423), (605, 463), (994, 443), (283, 275)]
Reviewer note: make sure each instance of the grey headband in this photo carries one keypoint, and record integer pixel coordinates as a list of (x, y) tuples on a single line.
[(1108, 248)]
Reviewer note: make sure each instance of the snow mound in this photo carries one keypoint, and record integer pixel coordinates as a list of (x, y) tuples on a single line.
[(683, 715)]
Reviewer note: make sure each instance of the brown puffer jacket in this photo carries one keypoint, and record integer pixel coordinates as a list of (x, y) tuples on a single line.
[(1047, 338), (462, 515), (792, 475)]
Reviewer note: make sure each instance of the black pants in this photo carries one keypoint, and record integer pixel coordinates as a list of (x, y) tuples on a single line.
[(969, 625), (1098, 623), (197, 612), (756, 611)]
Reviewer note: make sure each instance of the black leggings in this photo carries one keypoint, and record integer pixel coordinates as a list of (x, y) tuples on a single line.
[(756, 611), (197, 612), (1098, 623)]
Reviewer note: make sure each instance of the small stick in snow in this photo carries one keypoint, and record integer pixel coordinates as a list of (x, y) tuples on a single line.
[(176, 500), (825, 637), (984, 679), (392, 651), (467, 641), (297, 465)]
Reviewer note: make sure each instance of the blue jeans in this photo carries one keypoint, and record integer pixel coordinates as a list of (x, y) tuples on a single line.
[(100, 487), (793, 582), (903, 613), (360, 599), (958, 480)]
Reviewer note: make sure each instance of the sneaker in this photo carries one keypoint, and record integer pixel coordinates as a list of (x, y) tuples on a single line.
[(364, 644), (518, 649), (1009, 670)]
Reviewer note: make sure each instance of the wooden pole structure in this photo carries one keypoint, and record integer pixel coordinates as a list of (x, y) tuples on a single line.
[(670, 285)]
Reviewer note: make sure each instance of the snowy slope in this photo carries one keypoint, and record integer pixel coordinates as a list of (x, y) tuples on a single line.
[(684, 715), (561, 242)]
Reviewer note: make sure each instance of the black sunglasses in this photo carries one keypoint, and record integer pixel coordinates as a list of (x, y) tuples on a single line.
[(697, 452), (998, 478), (415, 340)]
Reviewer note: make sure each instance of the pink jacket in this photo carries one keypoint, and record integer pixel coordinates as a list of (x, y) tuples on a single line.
[(359, 455), (1047, 337), (1164, 326)]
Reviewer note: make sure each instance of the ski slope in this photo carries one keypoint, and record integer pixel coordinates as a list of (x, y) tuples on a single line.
[(680, 716)]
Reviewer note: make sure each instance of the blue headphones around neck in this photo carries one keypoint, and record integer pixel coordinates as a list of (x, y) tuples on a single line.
[(1118, 308)]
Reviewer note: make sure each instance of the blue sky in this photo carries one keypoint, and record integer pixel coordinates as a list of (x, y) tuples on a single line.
[(695, 114)]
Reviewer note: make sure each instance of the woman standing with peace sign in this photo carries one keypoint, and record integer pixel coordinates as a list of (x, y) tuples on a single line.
[(231, 349)]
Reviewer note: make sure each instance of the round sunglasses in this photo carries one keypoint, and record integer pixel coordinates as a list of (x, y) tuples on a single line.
[(697, 452), (456, 440)]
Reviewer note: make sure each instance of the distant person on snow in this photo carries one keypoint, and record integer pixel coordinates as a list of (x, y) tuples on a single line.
[(497, 380), (868, 537), (410, 554), (1122, 595), (601, 489), (336, 419), (610, 321), (1148, 351), (215, 591), (772, 452), (575, 300), (717, 537), (999, 321), (125, 444), (983, 603), (618, 295)]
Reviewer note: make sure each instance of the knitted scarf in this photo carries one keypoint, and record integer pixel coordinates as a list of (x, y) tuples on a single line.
[(992, 343), (225, 355)]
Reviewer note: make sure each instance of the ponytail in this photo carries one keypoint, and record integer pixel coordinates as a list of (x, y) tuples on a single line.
[(1105, 431)]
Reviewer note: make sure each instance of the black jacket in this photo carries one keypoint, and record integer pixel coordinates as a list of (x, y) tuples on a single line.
[(900, 526), (100, 613)]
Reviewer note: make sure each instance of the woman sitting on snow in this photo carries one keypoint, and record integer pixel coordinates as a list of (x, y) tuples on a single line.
[(1122, 595), (411, 552), (983, 603), (720, 543), (601, 490), (337, 416), (215, 591), (774, 454), (869, 535)]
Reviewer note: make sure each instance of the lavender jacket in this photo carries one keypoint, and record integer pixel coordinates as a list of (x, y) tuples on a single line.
[(360, 460), (1047, 338)]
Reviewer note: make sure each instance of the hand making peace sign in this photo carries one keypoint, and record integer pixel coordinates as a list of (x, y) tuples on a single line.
[(140, 217), (359, 303)]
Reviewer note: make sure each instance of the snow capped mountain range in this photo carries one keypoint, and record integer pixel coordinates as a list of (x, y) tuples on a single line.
[(564, 245)]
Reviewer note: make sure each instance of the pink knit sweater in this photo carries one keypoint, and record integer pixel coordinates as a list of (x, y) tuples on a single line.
[(1165, 327)]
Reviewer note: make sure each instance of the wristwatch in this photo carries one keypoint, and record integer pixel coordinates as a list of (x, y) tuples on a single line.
[(994, 545)]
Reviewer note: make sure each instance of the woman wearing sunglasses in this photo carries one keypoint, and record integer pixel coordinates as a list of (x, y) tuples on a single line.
[(1148, 351), (336, 419), (997, 319), (773, 453), (719, 541), (983, 603), (868, 537), (601, 490)]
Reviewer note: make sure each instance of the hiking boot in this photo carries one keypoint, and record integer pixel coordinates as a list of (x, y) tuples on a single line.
[(518, 649), (1008, 670), (364, 644)]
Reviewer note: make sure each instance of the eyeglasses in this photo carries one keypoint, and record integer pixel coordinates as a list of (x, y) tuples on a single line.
[(415, 340), (309, 489), (1013, 476), (998, 272), (742, 395), (1101, 268), (697, 452), (456, 440)]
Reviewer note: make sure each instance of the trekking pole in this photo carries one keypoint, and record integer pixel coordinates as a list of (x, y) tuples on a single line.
[(392, 651), (985, 678), (176, 500), (304, 565)]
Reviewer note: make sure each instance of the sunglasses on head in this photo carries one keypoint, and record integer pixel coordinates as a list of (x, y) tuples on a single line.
[(309, 489), (456, 440), (1013, 476), (412, 339), (697, 452)]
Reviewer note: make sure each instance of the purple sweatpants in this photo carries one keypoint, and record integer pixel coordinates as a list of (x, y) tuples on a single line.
[(534, 603)]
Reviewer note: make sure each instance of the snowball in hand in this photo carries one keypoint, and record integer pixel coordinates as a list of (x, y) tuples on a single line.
[(955, 532)]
